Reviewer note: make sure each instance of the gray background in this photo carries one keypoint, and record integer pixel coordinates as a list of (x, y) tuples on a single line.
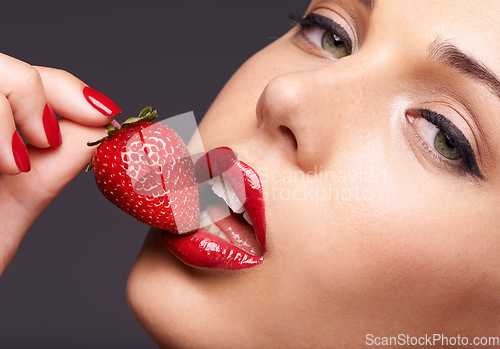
[(66, 286)]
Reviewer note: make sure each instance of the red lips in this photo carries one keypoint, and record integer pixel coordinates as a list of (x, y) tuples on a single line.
[(205, 250)]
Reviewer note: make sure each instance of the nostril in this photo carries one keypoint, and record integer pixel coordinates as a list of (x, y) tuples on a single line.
[(289, 136)]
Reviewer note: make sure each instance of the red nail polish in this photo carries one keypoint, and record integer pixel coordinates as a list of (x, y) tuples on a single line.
[(102, 103), (51, 126), (20, 153)]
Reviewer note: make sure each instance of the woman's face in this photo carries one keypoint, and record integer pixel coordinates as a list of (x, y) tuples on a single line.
[(378, 222)]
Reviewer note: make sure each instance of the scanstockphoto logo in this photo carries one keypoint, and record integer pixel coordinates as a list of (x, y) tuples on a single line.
[(431, 341)]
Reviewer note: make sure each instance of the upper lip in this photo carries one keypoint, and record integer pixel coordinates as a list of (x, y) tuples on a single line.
[(203, 249)]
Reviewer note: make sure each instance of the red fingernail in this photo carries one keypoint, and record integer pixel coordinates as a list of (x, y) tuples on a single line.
[(102, 103), (51, 126), (20, 153)]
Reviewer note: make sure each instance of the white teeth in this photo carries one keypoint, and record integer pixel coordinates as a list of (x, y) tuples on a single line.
[(247, 218), (241, 209), (205, 219), (213, 229), (229, 195), (223, 236), (217, 186), (207, 223)]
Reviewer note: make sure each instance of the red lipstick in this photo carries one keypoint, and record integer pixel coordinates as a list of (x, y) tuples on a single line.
[(205, 250)]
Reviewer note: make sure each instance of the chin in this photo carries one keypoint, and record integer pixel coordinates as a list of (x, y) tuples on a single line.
[(178, 306)]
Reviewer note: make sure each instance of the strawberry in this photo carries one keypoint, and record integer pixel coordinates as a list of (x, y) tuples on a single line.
[(145, 169)]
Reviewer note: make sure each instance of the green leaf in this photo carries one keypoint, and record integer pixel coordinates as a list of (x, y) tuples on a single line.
[(89, 166), (151, 116), (111, 128), (144, 112), (91, 144), (146, 115), (131, 121)]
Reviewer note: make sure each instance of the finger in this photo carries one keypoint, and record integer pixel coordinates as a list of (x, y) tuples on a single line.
[(13, 154), (23, 87), (74, 100), (53, 169), (25, 196)]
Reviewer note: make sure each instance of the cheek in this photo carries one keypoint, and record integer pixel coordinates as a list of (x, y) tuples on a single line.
[(232, 115), (386, 249), (434, 242)]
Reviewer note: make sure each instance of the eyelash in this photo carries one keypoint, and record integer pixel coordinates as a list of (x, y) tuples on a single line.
[(325, 23), (467, 163), (468, 159)]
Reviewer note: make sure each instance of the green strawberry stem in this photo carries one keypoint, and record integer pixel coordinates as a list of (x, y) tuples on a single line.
[(146, 115)]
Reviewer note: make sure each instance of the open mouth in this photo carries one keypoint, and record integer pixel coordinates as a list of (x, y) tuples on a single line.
[(232, 219), (229, 220)]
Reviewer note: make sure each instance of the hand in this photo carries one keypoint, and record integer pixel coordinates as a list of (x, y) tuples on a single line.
[(32, 176)]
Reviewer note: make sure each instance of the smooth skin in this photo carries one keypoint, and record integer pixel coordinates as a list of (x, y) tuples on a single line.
[(24, 91), (393, 239), (403, 242)]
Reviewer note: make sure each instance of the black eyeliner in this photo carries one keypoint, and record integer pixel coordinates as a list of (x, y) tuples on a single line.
[(324, 23), (460, 142)]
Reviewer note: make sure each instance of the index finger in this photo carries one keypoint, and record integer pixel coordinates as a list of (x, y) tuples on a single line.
[(72, 99)]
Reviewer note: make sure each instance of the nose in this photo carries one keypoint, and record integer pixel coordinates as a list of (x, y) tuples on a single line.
[(306, 111)]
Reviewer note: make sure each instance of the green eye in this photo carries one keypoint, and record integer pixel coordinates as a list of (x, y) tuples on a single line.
[(333, 44), (445, 146)]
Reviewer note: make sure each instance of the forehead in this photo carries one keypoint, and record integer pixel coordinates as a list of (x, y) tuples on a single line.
[(471, 25), (485, 8)]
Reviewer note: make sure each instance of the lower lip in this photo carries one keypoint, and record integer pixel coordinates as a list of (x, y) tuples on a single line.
[(205, 250)]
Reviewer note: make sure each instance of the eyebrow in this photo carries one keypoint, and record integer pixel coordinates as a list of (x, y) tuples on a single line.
[(451, 56), (368, 3)]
